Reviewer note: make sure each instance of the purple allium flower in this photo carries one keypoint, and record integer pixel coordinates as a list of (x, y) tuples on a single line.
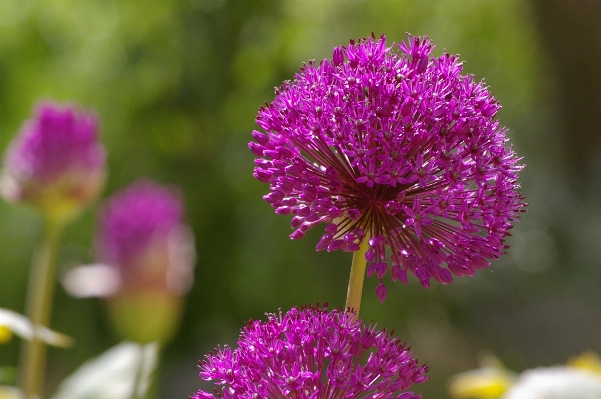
[(131, 218), (145, 256), (56, 161), (312, 353), (144, 224), (397, 148)]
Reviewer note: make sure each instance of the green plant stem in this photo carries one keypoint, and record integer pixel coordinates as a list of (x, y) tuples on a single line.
[(355, 285), (40, 292)]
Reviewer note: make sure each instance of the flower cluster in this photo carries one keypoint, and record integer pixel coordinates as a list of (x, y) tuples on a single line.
[(313, 353), (56, 162), (397, 148)]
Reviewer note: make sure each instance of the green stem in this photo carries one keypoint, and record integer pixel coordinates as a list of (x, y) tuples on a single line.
[(40, 292), (355, 285)]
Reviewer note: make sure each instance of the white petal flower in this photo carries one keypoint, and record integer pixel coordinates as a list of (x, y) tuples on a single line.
[(113, 374), (95, 280), (8, 392), (561, 382), (15, 323)]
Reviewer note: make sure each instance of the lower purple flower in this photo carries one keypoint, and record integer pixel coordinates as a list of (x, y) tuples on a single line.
[(312, 353)]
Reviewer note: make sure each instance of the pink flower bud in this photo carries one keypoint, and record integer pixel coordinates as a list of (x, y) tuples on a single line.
[(56, 162), (142, 236)]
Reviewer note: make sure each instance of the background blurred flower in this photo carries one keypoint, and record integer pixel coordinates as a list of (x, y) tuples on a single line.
[(122, 372), (56, 162), (8, 392), (313, 353), (145, 257), (15, 323), (395, 148), (561, 382), (489, 381), (580, 379)]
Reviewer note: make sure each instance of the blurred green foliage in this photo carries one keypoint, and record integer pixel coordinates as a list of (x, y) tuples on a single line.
[(177, 85)]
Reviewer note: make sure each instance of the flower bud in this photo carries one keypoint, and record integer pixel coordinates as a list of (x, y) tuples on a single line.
[(145, 260), (142, 235), (55, 163)]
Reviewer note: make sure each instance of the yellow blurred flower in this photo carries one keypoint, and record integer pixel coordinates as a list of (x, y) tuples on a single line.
[(8, 392), (579, 379), (587, 361), (5, 335), (488, 382)]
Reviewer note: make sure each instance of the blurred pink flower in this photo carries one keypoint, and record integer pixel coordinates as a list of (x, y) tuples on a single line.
[(56, 162), (145, 254)]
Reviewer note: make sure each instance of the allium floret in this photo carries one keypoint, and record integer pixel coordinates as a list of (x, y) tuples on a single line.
[(394, 147), (312, 353)]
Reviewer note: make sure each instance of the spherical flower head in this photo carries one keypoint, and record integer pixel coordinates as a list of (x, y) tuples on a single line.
[(56, 162), (390, 145), (312, 353), (143, 239)]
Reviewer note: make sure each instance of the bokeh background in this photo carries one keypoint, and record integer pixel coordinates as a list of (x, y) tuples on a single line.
[(177, 85)]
